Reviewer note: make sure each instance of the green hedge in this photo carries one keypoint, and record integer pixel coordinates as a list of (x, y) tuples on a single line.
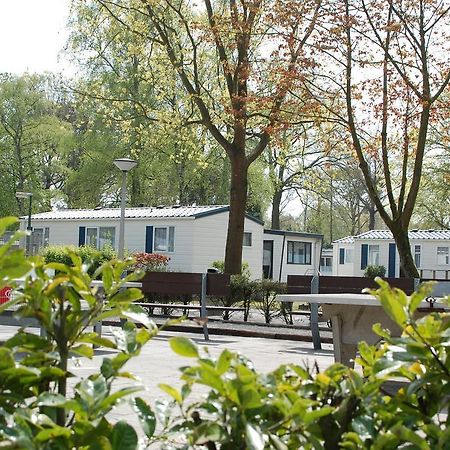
[(89, 255)]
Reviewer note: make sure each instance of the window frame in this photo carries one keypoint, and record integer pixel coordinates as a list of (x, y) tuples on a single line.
[(417, 255), (45, 236), (248, 234), (306, 253), (371, 249), (97, 236), (445, 255), (170, 246), (347, 260)]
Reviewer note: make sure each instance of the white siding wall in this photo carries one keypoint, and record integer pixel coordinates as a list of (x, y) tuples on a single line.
[(209, 240), (66, 233), (384, 255), (198, 242), (346, 269), (428, 257)]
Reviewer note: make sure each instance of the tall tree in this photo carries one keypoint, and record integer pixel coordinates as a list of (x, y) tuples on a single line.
[(390, 60), (237, 62), (34, 139)]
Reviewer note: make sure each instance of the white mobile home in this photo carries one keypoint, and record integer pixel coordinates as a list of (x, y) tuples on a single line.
[(430, 249), (290, 253), (192, 236)]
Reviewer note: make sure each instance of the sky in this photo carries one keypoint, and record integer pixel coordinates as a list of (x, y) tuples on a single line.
[(32, 35)]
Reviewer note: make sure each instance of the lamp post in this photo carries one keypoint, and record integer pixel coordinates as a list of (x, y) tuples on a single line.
[(28, 195), (125, 165)]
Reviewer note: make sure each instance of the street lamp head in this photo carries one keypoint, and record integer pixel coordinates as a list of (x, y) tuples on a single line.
[(125, 164), (23, 194)]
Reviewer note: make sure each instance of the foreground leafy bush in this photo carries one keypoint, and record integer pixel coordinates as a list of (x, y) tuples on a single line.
[(37, 410), (295, 407)]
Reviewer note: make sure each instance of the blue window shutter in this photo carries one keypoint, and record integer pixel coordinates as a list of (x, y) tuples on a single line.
[(81, 236), (391, 266), (149, 239), (364, 255), (341, 255)]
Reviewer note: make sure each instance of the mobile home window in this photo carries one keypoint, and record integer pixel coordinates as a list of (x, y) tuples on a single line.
[(348, 255), (92, 237), (374, 255), (247, 239), (41, 237), (298, 252), (443, 256), (164, 239), (99, 237), (417, 251)]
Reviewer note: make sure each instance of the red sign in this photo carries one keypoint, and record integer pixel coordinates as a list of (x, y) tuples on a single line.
[(5, 294)]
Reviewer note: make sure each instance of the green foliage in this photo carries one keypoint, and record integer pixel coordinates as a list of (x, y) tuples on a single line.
[(36, 140), (375, 271), (265, 301), (245, 273), (38, 411), (292, 407), (91, 256)]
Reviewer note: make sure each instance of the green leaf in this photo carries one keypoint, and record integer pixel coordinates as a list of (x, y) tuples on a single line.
[(83, 350), (254, 438), (112, 399), (54, 432), (171, 391), (95, 339), (183, 347), (123, 437), (224, 362), (127, 295), (6, 222), (208, 432), (146, 416), (51, 399)]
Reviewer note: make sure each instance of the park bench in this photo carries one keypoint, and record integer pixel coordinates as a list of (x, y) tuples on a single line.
[(185, 284)]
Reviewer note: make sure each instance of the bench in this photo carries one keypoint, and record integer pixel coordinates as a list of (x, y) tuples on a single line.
[(211, 310), (187, 284)]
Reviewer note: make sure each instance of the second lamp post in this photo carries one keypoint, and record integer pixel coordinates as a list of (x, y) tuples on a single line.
[(125, 165)]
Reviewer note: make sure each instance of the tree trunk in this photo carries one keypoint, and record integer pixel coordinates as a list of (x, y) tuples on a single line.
[(408, 268), (372, 211), (238, 203), (276, 203)]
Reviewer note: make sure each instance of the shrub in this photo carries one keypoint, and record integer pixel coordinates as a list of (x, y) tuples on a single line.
[(375, 271), (265, 301), (91, 256), (37, 410), (150, 262), (293, 407), (245, 272)]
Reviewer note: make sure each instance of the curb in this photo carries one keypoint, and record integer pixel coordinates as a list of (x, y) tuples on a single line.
[(234, 332)]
